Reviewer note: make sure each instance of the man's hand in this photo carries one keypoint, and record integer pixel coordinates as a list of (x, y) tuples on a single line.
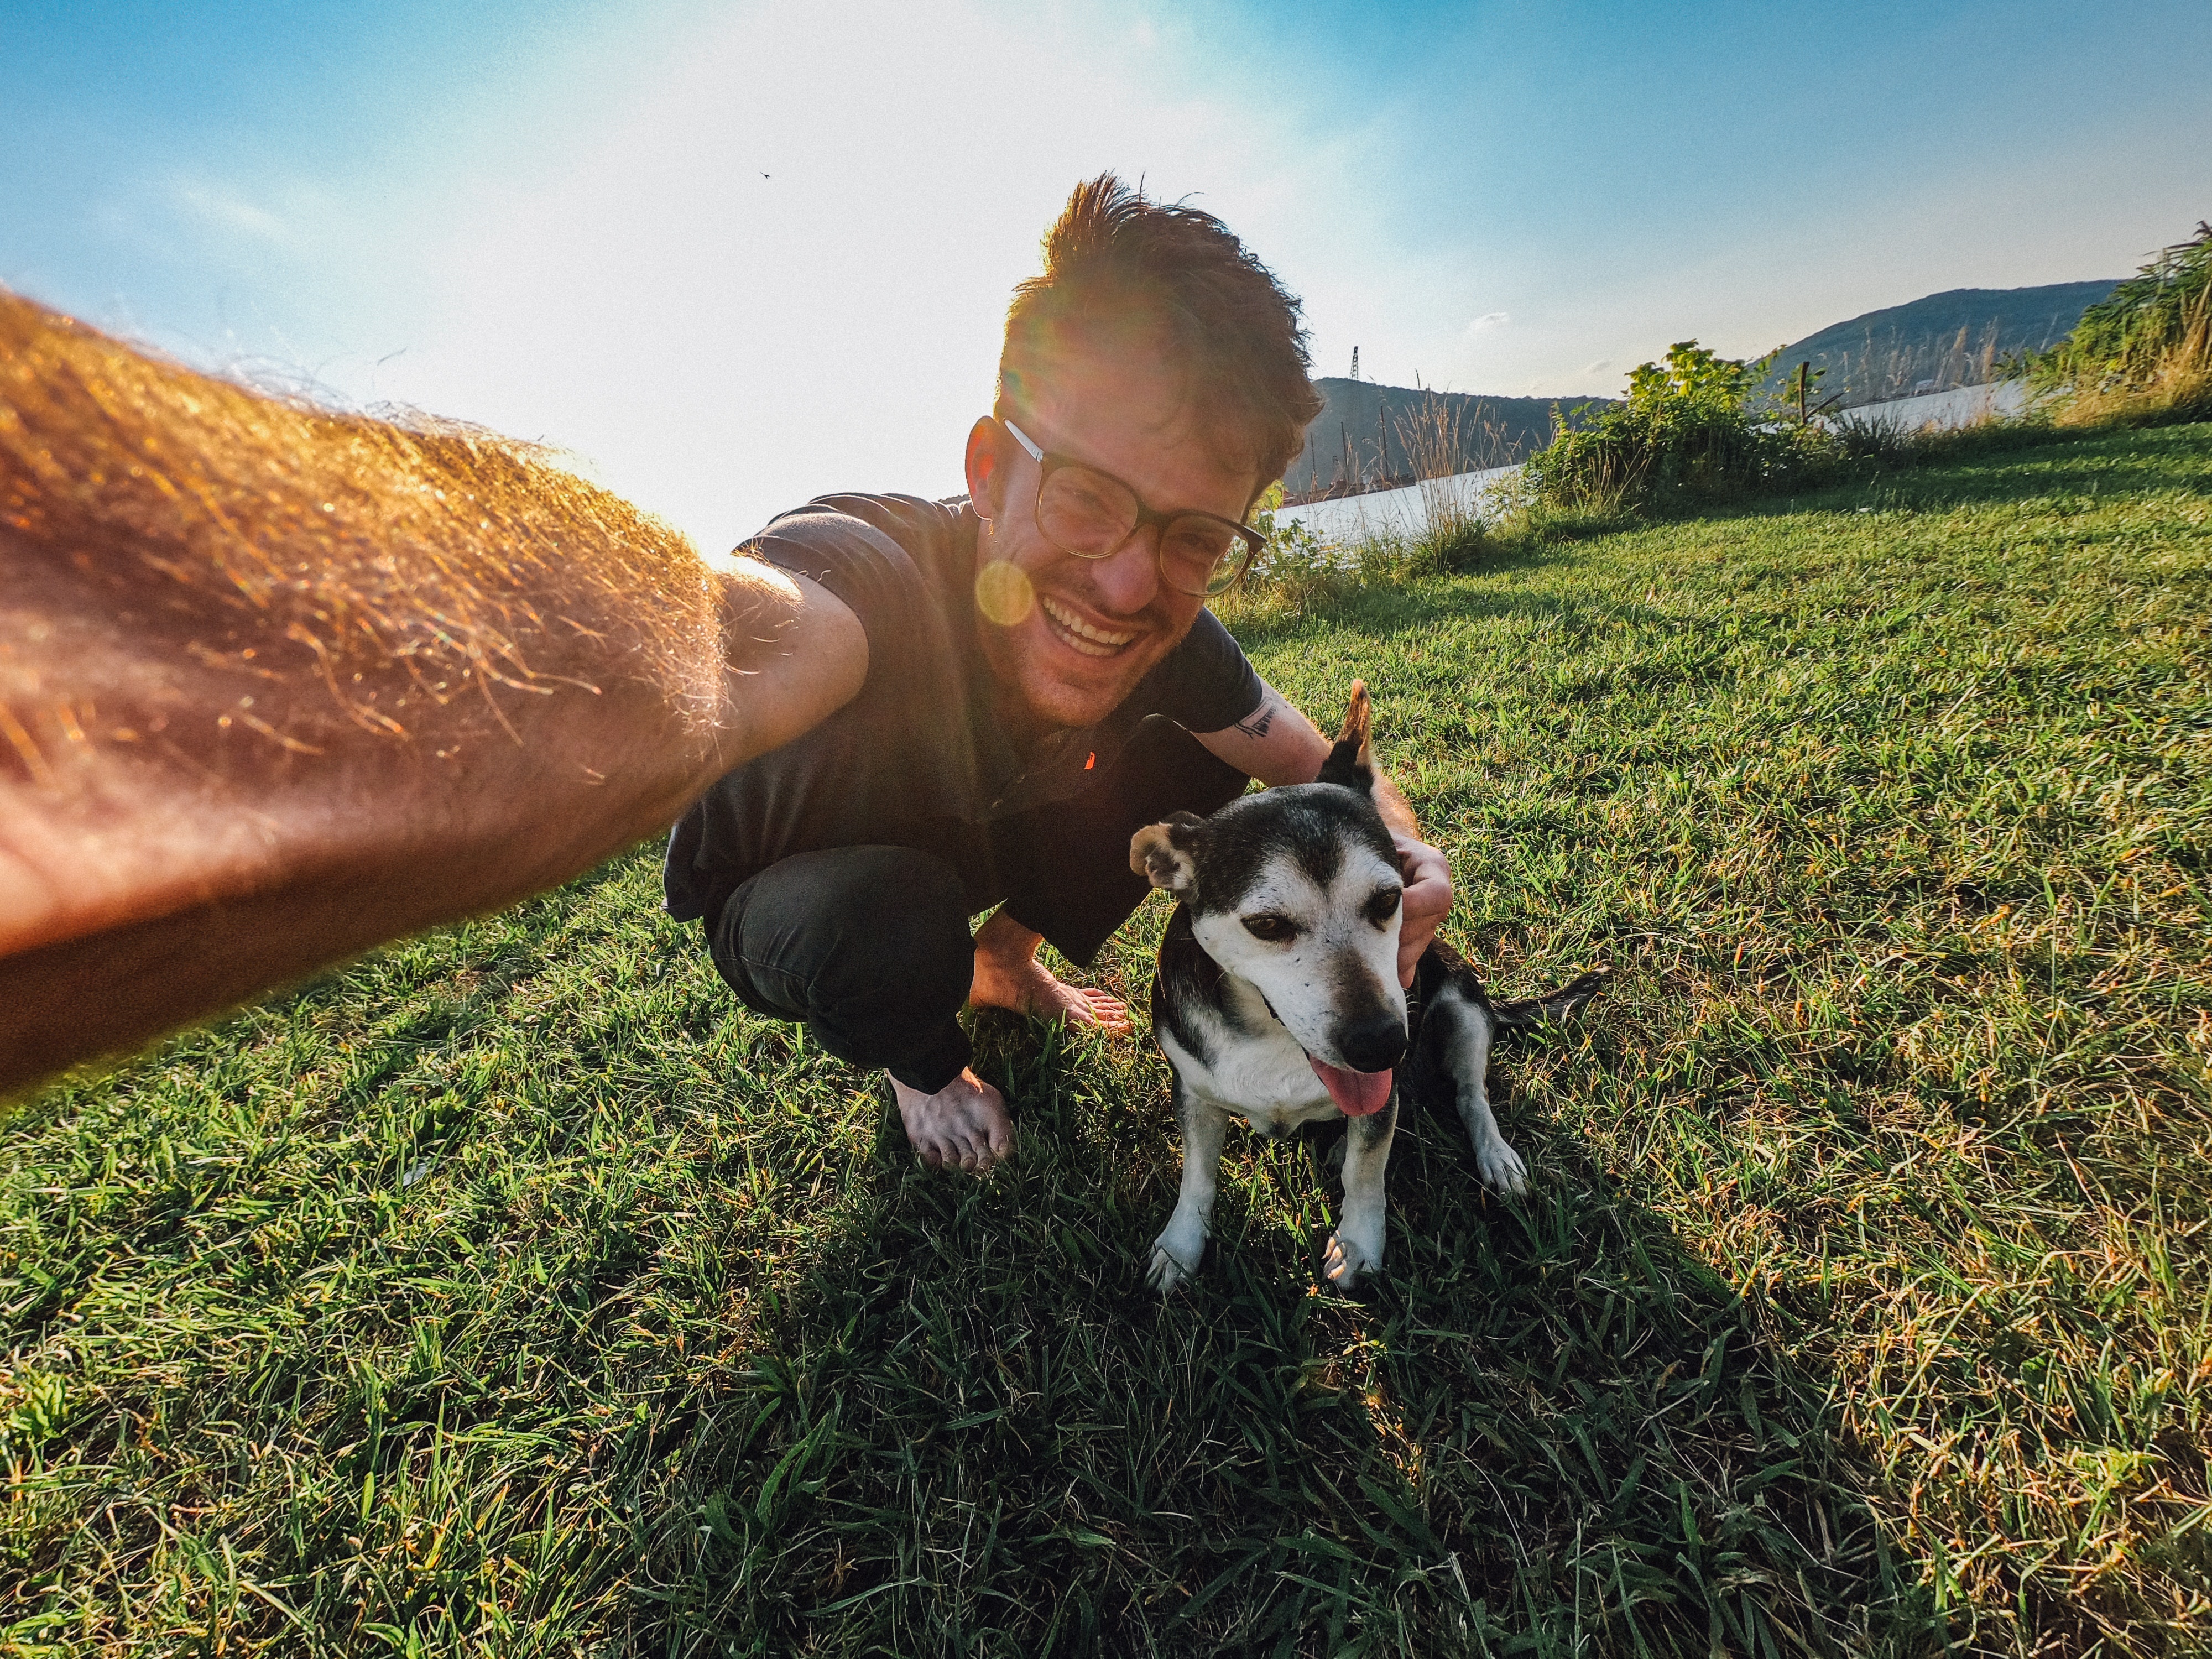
[(1427, 901)]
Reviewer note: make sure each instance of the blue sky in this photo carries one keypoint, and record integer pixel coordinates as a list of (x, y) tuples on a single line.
[(735, 255)]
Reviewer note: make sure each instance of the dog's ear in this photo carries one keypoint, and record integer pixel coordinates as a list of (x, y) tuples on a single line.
[(1352, 762), (1161, 852)]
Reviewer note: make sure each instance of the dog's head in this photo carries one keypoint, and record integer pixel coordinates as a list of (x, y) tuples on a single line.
[(1296, 890)]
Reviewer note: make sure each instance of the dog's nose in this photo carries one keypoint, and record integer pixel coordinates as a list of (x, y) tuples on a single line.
[(1375, 1044)]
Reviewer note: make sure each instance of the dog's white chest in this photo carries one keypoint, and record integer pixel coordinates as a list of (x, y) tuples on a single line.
[(1264, 1078)]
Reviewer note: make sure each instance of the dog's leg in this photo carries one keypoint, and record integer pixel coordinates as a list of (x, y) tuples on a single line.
[(1357, 1247), (1466, 1061), (1175, 1253)]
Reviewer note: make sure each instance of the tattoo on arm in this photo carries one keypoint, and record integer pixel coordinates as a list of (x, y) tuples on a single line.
[(1256, 724)]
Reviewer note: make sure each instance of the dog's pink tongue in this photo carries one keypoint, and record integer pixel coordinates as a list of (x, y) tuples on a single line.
[(1356, 1094)]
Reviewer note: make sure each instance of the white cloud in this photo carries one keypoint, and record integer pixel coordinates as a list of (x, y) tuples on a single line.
[(225, 211), (1488, 320)]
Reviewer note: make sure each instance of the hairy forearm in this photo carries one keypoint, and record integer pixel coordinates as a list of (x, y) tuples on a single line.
[(276, 685)]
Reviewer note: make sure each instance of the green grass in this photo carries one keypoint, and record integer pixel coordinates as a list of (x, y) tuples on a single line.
[(510, 1293)]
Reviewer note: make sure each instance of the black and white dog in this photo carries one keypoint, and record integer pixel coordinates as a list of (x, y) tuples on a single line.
[(1276, 997)]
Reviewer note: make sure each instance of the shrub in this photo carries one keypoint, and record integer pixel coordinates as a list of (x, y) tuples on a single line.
[(1296, 568), (1686, 431), (1300, 573), (2143, 353), (1455, 537)]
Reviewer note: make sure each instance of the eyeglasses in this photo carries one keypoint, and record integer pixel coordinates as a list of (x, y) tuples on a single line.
[(1092, 514)]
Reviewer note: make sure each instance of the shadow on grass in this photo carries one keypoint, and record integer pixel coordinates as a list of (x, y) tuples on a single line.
[(1547, 1426)]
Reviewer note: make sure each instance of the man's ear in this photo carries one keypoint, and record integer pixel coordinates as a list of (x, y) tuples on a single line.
[(1351, 762), (1161, 852), (984, 490)]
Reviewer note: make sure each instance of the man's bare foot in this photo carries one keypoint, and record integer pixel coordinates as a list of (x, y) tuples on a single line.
[(964, 1125), (1007, 976)]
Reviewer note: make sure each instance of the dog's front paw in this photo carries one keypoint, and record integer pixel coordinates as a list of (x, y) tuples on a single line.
[(1348, 1256), (1165, 1272), (1502, 1171), (1175, 1258)]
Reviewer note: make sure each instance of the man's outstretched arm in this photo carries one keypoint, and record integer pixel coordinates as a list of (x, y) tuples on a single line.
[(278, 685)]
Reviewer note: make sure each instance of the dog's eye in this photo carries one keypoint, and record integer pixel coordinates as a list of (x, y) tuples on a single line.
[(1383, 906), (1272, 928)]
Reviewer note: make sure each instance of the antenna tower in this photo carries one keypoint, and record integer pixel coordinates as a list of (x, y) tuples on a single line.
[(1355, 362)]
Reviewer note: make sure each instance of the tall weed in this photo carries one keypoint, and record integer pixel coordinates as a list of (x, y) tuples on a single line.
[(2143, 356), (1454, 533)]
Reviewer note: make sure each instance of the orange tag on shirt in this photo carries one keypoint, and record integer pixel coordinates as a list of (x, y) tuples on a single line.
[(1091, 761)]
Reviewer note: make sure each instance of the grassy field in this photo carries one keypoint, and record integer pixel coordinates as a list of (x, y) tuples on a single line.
[(510, 1293)]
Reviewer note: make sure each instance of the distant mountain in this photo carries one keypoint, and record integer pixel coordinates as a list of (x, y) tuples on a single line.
[(1366, 432), (1954, 338)]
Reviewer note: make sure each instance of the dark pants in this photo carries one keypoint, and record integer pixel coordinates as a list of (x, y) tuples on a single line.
[(869, 946)]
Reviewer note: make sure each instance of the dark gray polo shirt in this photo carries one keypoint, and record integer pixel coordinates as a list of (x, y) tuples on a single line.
[(917, 759)]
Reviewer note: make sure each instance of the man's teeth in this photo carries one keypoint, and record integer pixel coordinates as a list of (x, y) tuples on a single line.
[(1091, 641)]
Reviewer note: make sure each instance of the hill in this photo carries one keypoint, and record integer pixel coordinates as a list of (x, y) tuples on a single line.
[(1365, 431), (1952, 339)]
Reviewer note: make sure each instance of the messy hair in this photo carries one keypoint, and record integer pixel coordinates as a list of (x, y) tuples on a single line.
[(1122, 272)]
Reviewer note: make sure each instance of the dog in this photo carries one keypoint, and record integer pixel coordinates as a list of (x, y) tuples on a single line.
[(1276, 997)]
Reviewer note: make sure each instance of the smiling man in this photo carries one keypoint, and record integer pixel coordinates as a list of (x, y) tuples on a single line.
[(1038, 675)]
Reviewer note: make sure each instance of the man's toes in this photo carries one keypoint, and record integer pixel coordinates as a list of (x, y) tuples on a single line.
[(1108, 1013), (983, 1143)]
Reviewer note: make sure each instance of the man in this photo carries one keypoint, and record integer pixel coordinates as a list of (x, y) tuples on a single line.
[(1038, 675)]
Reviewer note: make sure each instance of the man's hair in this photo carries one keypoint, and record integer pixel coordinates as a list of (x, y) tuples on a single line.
[(1123, 272)]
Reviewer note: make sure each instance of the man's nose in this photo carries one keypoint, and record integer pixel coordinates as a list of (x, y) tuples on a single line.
[(1128, 578)]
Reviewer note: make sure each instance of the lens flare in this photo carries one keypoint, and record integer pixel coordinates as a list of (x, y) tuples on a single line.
[(1004, 594)]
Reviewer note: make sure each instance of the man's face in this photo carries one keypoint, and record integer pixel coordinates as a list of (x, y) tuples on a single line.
[(1071, 638)]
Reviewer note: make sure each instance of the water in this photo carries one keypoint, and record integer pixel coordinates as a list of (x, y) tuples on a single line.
[(1395, 512), (1960, 406)]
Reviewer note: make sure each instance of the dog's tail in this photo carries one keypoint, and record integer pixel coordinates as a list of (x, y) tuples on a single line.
[(1554, 1009)]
